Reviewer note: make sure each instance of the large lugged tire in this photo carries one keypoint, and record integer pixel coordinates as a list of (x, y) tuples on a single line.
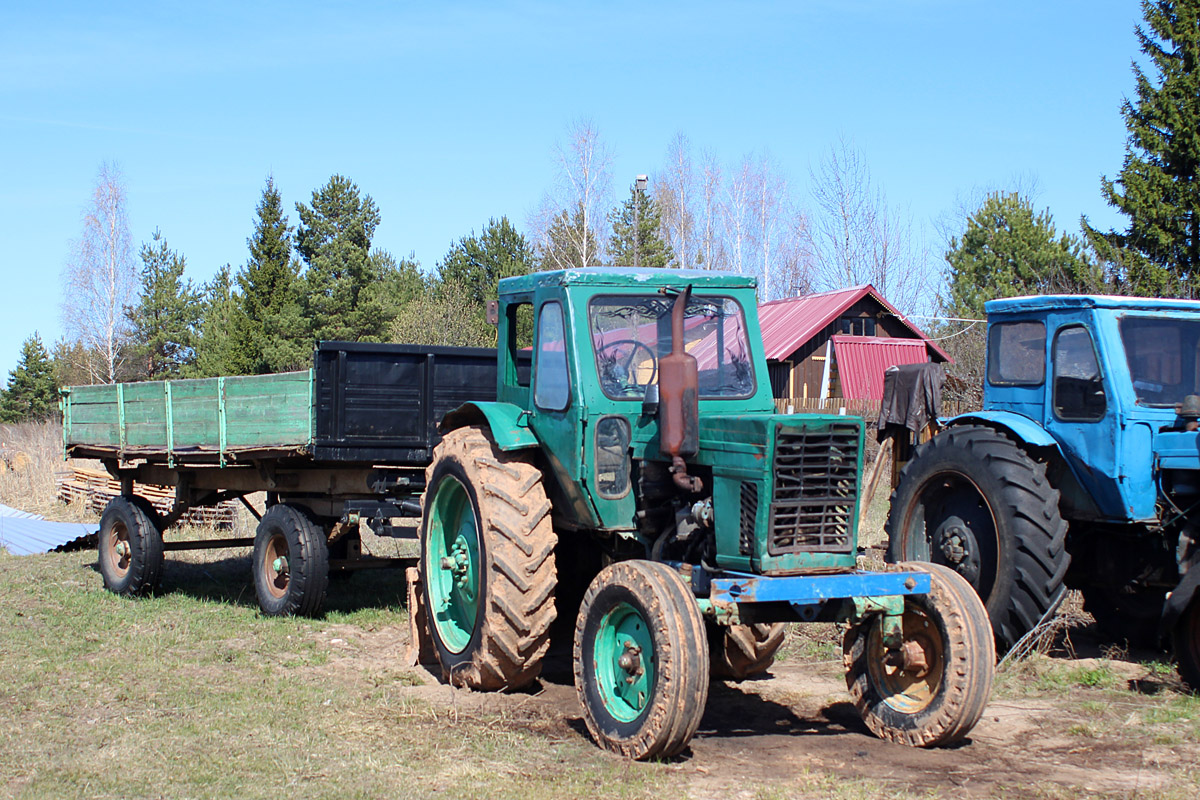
[(937, 693), (738, 652), (487, 562), (1186, 640), (972, 500), (130, 549), (641, 660), (291, 563)]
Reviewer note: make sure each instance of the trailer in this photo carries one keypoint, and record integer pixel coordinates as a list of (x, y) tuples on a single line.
[(345, 441)]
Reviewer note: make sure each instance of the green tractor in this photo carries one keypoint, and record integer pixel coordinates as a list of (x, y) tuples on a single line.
[(632, 473)]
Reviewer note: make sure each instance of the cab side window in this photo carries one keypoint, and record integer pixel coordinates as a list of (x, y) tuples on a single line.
[(1078, 385), (551, 381)]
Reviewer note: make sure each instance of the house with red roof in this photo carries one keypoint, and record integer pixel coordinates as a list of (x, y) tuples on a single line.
[(838, 344)]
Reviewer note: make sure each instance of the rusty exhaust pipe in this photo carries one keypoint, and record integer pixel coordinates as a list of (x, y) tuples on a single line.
[(679, 401)]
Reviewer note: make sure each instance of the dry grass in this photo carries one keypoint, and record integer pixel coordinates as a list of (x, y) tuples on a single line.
[(30, 456)]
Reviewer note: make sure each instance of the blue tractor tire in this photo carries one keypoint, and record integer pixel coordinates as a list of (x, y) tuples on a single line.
[(973, 500)]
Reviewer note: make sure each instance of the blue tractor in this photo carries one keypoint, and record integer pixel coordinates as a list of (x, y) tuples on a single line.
[(1082, 471)]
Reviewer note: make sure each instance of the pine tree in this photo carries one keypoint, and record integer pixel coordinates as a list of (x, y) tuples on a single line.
[(273, 332), (647, 248), (1158, 188), (334, 239), (165, 320), (1007, 250), (31, 392), (477, 263)]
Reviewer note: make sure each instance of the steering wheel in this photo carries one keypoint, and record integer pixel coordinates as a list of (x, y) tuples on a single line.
[(625, 363)]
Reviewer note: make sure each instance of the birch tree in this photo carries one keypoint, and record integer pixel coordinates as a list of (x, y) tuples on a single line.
[(858, 238), (674, 194), (581, 196), (99, 280)]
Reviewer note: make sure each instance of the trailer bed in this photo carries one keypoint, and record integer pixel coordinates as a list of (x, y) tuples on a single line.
[(361, 403)]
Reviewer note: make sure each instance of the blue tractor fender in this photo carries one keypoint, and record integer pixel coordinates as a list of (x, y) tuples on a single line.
[(1023, 429), (507, 422)]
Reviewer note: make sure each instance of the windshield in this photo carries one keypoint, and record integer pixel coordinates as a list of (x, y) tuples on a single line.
[(631, 332), (1164, 358)]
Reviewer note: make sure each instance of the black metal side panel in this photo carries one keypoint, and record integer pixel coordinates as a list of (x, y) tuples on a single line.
[(382, 403)]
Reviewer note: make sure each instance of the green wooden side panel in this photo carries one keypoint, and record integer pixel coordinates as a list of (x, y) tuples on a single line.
[(258, 411)]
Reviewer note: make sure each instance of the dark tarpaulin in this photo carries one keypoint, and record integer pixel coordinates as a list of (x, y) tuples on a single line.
[(912, 396)]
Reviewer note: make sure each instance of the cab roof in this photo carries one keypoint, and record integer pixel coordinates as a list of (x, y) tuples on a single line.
[(1073, 302), (627, 277)]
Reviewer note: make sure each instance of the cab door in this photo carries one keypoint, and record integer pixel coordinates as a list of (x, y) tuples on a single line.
[(1081, 414), (557, 413)]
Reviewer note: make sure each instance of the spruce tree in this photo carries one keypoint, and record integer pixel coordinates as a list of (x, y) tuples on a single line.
[(1008, 250), (1158, 188), (644, 246), (31, 392), (273, 331), (165, 320)]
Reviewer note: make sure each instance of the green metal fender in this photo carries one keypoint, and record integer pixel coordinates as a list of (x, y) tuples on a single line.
[(508, 423)]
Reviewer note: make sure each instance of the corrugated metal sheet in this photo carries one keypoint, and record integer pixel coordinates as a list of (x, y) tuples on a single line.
[(22, 533), (792, 321), (861, 361)]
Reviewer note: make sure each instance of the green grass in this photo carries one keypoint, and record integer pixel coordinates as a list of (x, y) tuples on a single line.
[(194, 694)]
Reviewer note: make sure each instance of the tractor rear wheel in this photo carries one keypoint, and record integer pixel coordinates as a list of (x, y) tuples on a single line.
[(1186, 640), (974, 501), (933, 690), (738, 652), (641, 660), (130, 547), (487, 562)]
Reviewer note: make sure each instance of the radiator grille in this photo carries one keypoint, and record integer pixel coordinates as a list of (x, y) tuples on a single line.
[(816, 485), (749, 515)]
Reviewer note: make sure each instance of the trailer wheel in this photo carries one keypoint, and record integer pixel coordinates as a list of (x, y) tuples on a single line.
[(641, 660), (972, 500), (130, 548), (487, 562), (932, 690), (739, 652), (291, 563)]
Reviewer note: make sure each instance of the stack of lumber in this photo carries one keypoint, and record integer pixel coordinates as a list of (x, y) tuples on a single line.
[(95, 488)]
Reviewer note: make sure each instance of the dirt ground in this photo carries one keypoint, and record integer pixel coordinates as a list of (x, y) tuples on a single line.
[(796, 727)]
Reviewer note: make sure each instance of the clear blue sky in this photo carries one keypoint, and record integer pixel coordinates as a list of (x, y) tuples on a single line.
[(446, 113)]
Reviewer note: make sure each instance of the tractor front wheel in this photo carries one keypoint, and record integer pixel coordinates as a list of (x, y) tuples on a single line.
[(739, 652), (932, 689), (641, 660)]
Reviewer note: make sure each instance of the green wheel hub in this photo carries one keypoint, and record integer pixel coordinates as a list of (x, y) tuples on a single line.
[(624, 660), (452, 564)]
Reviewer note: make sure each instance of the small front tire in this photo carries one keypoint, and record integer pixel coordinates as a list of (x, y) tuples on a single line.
[(936, 694), (641, 660)]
